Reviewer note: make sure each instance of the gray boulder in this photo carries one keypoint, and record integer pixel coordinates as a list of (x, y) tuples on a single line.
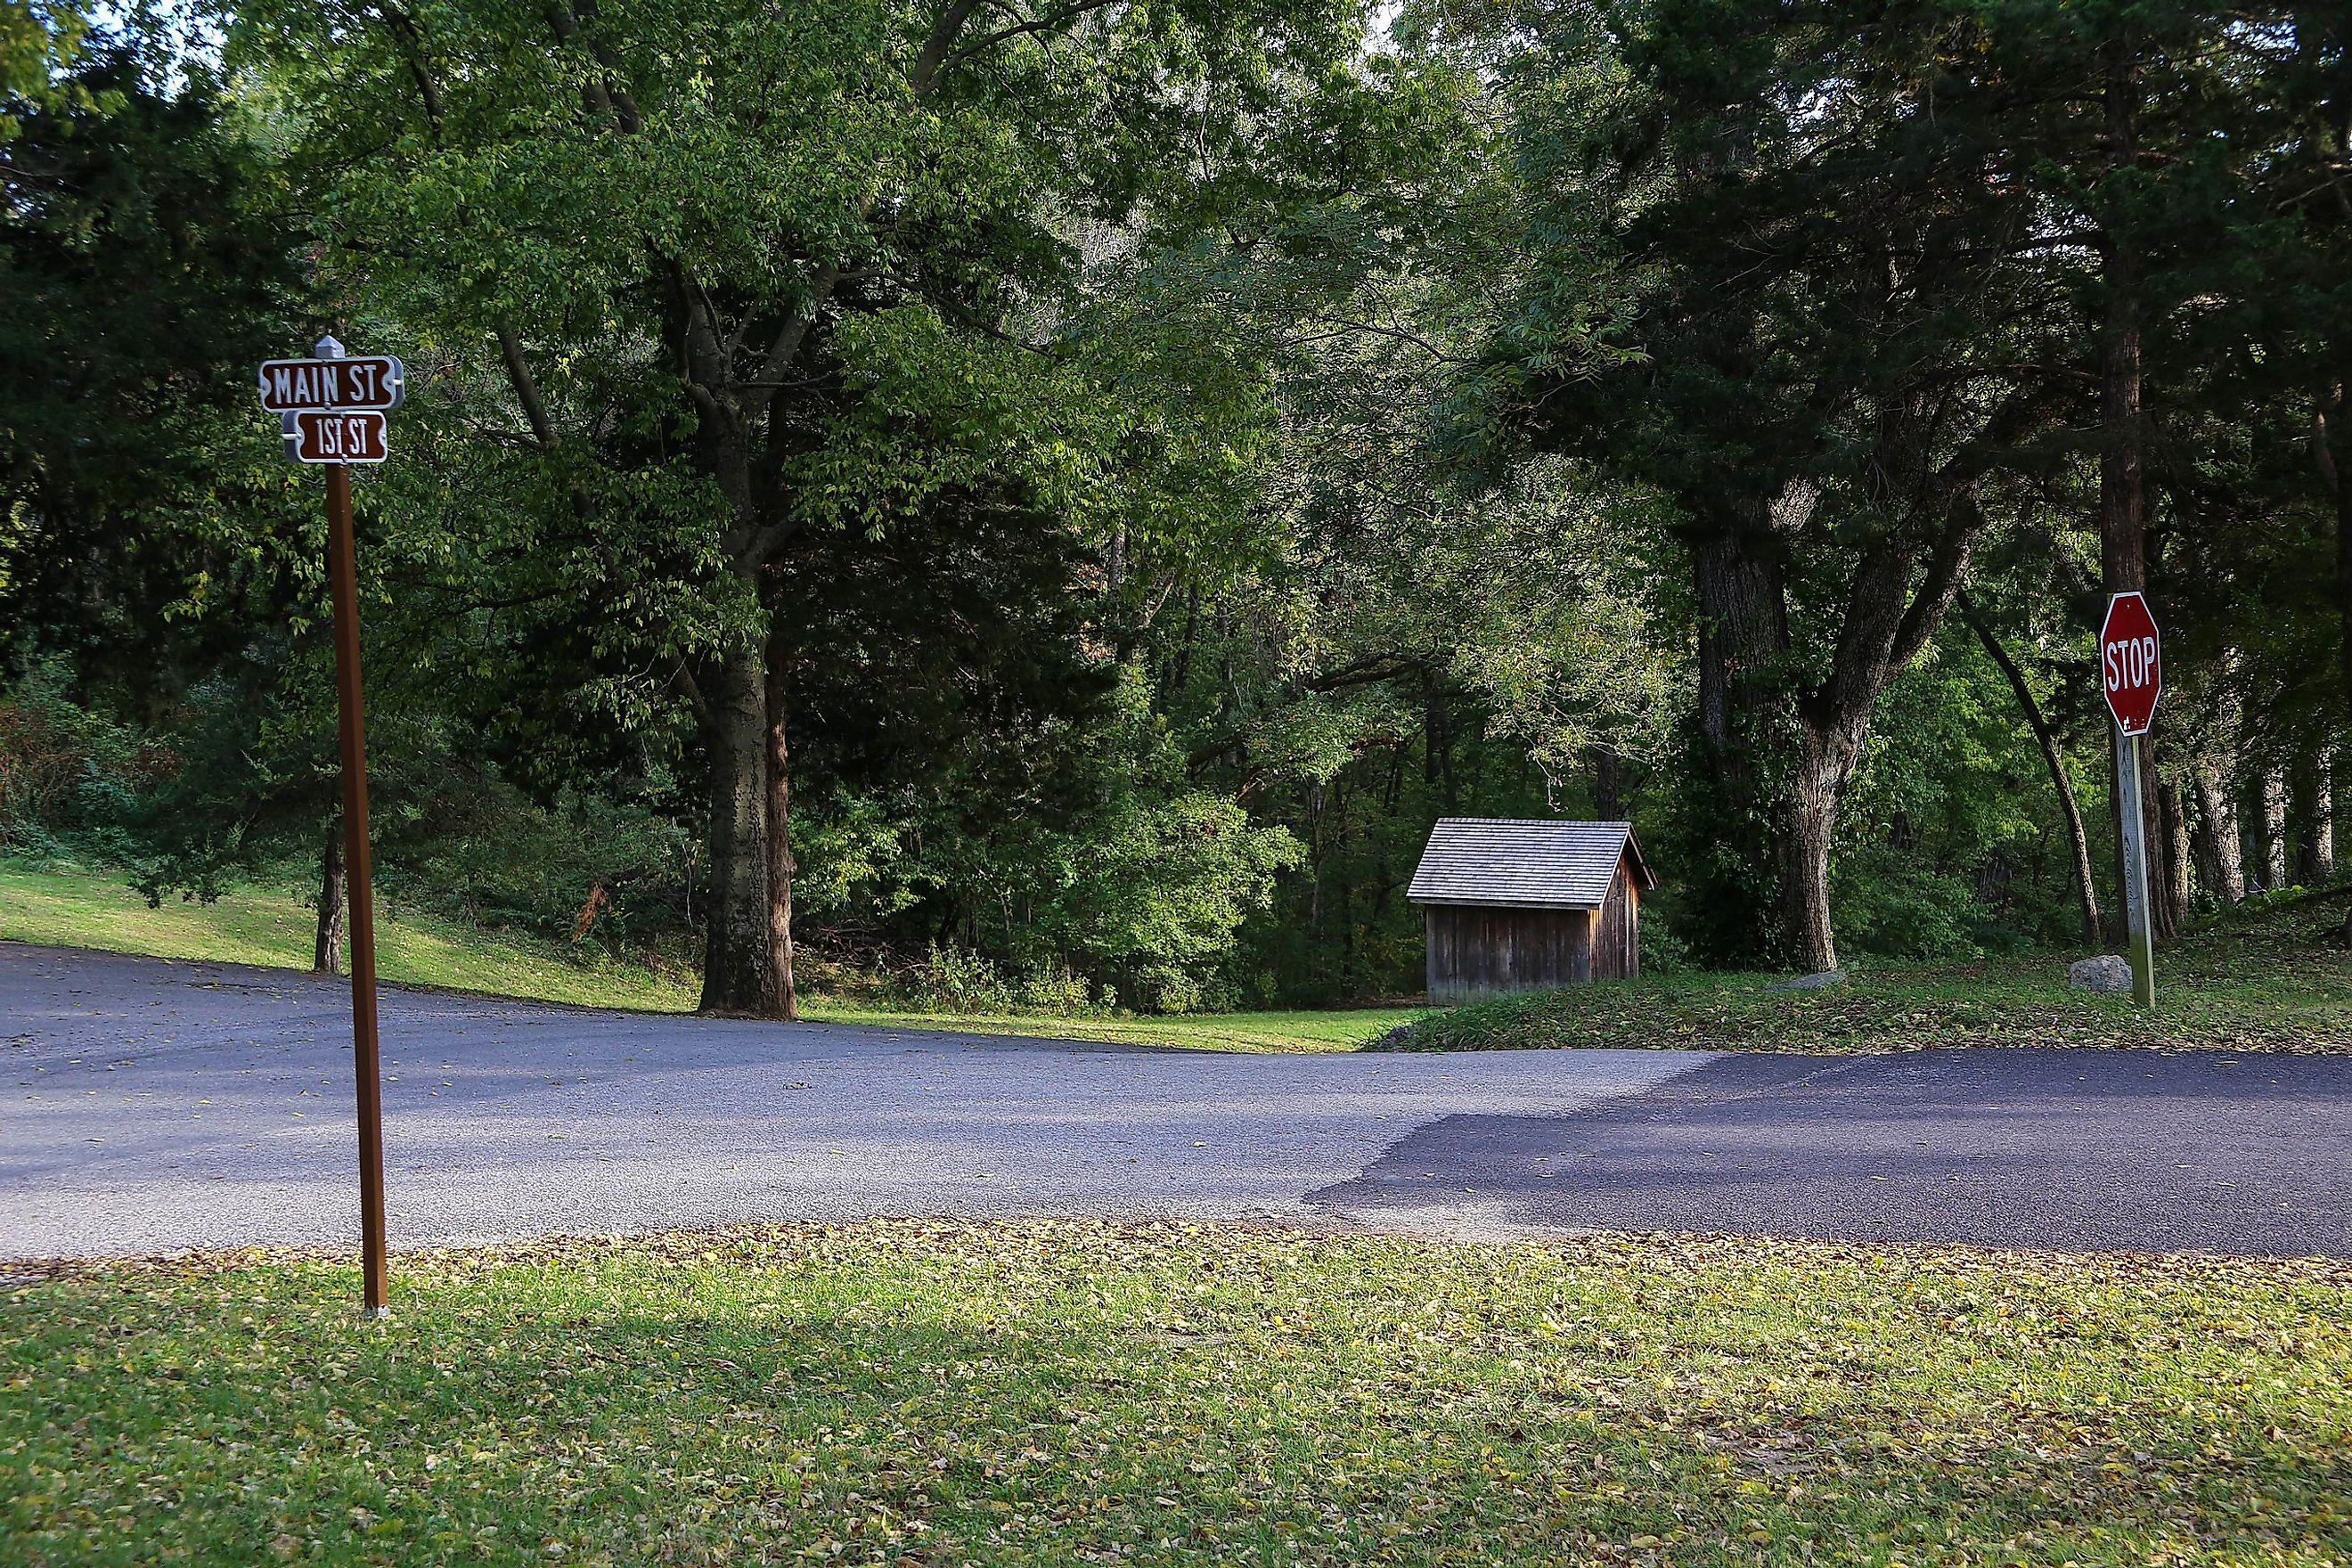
[(2109, 972), (1821, 981)]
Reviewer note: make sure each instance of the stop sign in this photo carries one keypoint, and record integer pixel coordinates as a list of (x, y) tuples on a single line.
[(2130, 665)]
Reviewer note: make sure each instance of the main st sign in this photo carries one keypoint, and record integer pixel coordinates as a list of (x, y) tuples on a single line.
[(303, 385)]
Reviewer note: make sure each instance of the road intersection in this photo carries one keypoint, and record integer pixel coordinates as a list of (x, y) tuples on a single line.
[(152, 1106)]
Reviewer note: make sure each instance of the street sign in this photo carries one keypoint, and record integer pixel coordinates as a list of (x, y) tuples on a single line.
[(330, 411), (2131, 665), (355, 437), (364, 381)]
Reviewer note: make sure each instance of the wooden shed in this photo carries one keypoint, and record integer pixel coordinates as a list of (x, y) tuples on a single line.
[(1513, 905)]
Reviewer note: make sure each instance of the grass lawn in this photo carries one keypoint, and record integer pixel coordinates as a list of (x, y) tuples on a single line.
[(274, 930), (1046, 1393), (70, 908), (1337, 1029), (2272, 976)]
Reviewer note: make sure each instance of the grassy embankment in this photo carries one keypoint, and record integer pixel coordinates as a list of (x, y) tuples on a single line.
[(1046, 1393), (2271, 976), (273, 930)]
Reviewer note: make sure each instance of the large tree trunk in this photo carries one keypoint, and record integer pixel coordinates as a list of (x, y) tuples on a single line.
[(1808, 829), (2122, 531), (1743, 634), (2273, 829), (334, 903), (779, 837), (2331, 448), (2216, 814), (2123, 538), (1608, 784), (2163, 915), (2172, 889), (738, 966), (2078, 843), (2315, 815), (1747, 713), (2325, 821)]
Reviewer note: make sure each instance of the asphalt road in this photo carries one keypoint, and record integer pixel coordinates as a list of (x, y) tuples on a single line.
[(147, 1105)]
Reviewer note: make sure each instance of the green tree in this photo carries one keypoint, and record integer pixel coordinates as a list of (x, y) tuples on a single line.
[(1816, 363), (744, 277)]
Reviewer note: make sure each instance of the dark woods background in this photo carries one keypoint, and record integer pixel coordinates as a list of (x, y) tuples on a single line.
[(1107, 480)]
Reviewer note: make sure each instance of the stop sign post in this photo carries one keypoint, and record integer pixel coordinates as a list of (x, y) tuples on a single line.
[(2131, 669), (331, 412)]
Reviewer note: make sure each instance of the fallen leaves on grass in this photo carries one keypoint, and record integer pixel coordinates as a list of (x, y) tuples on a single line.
[(1035, 1392)]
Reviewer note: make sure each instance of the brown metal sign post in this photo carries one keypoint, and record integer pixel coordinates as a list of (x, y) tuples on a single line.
[(343, 582)]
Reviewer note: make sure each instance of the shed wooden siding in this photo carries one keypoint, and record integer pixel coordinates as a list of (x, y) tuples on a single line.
[(1617, 943), (1479, 951)]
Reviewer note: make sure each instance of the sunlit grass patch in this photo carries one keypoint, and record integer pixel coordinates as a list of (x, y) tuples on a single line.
[(1049, 1393), (272, 928), (2272, 977)]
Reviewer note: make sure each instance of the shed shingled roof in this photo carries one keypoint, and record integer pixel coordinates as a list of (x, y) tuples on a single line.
[(1513, 863)]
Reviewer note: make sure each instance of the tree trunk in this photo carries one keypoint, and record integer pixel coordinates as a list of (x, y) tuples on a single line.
[(2331, 447), (2323, 823), (2173, 889), (2217, 815), (2273, 830), (1608, 784), (1809, 826), (2304, 814), (334, 903), (1743, 631), (2123, 533), (737, 967), (2086, 895), (779, 840), (2163, 921), (1742, 634)]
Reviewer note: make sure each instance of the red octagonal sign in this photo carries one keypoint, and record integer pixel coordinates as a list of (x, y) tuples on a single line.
[(2130, 663)]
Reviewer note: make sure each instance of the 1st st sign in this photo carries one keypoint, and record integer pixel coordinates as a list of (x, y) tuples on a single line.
[(357, 436)]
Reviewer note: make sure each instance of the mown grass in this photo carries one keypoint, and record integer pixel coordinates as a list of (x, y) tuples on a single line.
[(272, 929), (1337, 1029), (2273, 976), (1048, 1393)]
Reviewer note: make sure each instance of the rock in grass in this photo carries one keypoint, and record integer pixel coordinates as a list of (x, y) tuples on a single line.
[(1821, 981), (2109, 972)]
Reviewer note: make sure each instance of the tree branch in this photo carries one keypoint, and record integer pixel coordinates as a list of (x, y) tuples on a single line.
[(683, 679), (1041, 24), (526, 387), (934, 58)]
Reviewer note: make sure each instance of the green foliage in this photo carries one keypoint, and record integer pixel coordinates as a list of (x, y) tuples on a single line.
[(59, 760), (1170, 455), (951, 981), (142, 274), (589, 866), (1952, 842)]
